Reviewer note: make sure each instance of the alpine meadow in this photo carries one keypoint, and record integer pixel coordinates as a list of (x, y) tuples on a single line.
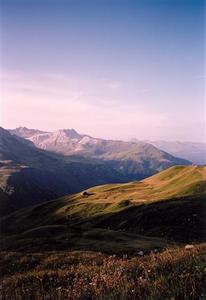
[(102, 150)]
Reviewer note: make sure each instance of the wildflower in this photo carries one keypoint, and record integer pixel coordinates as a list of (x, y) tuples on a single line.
[(189, 247)]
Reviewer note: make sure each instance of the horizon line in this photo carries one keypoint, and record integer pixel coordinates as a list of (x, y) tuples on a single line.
[(112, 139)]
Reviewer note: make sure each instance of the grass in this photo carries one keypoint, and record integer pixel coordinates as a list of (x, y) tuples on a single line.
[(87, 246), (174, 274), (175, 181), (121, 208), (125, 227)]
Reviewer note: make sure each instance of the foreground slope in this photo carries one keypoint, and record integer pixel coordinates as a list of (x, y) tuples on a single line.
[(88, 275), (167, 207)]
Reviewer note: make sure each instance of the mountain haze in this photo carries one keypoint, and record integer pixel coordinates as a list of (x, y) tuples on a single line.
[(195, 152)]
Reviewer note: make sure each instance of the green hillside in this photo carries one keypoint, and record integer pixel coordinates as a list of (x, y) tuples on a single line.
[(165, 208), (176, 181)]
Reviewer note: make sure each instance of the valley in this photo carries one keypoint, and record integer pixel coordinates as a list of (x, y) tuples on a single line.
[(30, 175), (102, 150), (112, 218)]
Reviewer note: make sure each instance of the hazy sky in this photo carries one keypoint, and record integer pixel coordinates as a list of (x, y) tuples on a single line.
[(109, 68)]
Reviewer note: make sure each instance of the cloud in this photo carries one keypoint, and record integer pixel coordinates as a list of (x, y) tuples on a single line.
[(50, 102), (63, 101)]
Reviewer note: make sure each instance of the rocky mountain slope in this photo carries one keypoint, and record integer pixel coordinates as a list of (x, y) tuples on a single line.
[(134, 160)]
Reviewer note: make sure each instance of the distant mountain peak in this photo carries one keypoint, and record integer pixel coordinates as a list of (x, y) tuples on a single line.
[(25, 129), (25, 132), (22, 128), (70, 133)]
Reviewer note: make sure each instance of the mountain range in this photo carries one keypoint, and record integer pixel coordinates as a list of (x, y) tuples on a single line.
[(29, 175), (132, 157), (69, 141), (66, 191), (38, 166)]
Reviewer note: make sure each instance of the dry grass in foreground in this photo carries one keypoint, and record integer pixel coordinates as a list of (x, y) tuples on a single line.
[(174, 274)]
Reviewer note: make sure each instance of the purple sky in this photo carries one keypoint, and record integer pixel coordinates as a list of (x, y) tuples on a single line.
[(112, 69)]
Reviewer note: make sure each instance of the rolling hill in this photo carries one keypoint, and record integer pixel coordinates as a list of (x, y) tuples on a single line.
[(165, 208)]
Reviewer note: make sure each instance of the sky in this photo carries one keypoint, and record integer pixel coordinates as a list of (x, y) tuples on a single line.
[(116, 69)]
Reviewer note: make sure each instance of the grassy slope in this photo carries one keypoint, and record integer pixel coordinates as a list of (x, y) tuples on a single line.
[(175, 181), (173, 274), (117, 212)]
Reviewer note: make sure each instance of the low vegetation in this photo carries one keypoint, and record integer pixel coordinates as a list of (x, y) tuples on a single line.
[(174, 274), (111, 242)]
